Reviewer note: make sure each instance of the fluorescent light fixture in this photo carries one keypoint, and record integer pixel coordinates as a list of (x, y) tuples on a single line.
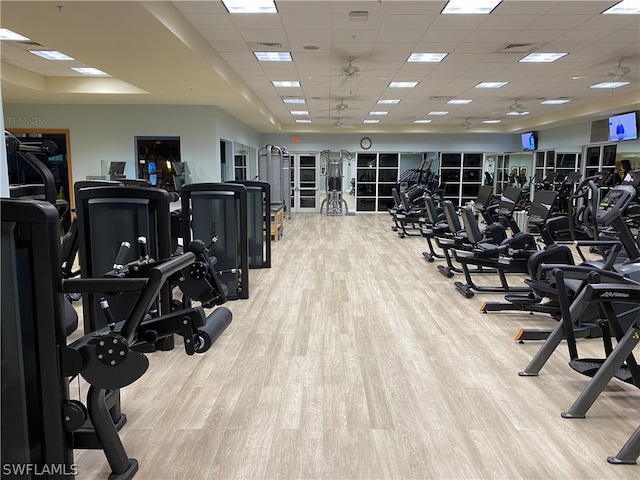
[(88, 71), (438, 113), (491, 121), (559, 101), (358, 16), (371, 121), (378, 112), (51, 54), (426, 57), (609, 84), (422, 121), (300, 120), (286, 83), (294, 100), (542, 57), (299, 112), (6, 34), (402, 84), (482, 7), (388, 102), (459, 101), (273, 56), (626, 7), (250, 6), (491, 84), (515, 114)]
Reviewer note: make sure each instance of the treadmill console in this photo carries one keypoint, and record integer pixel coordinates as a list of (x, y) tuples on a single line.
[(614, 203)]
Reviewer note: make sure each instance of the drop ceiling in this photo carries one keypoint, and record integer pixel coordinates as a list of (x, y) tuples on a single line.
[(196, 53)]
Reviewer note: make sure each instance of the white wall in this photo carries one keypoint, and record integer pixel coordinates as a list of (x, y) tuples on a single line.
[(408, 142), (107, 132)]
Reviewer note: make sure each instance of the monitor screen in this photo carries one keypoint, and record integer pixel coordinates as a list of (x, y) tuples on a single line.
[(528, 141), (623, 127)]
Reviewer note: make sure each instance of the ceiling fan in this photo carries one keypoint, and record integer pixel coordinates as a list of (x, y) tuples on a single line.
[(466, 124), (615, 74), (516, 108), (339, 107), (618, 72)]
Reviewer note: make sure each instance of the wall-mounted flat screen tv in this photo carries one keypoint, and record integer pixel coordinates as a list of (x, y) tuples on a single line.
[(623, 127), (529, 141)]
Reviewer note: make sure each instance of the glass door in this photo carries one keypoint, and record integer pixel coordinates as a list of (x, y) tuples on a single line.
[(305, 183)]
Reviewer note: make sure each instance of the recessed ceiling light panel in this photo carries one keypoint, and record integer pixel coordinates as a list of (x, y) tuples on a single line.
[(515, 114), (426, 57), (626, 7), (300, 120), (286, 83), (459, 101), (379, 112), (491, 121), (371, 121), (438, 113), (491, 84), (273, 56), (88, 71), (6, 34), (542, 57), (51, 54), (293, 100), (482, 7), (403, 84), (250, 6), (422, 121), (388, 102), (609, 84), (558, 101), (299, 112)]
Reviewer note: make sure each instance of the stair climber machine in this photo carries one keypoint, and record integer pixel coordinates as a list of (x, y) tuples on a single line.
[(571, 281), (603, 292)]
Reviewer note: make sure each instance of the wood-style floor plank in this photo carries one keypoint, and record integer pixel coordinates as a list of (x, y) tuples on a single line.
[(355, 358)]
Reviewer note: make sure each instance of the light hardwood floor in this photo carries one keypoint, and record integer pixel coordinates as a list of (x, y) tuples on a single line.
[(355, 358)]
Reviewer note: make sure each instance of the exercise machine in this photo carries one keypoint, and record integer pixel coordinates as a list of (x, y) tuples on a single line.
[(333, 183), (41, 424), (216, 213)]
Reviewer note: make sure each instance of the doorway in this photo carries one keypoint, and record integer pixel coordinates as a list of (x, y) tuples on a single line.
[(305, 183)]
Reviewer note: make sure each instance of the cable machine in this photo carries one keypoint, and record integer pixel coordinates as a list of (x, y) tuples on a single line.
[(274, 166), (333, 183)]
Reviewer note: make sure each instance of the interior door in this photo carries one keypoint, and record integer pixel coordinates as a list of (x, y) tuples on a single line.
[(305, 183)]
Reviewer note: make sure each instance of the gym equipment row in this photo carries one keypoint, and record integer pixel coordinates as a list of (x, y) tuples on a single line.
[(132, 272)]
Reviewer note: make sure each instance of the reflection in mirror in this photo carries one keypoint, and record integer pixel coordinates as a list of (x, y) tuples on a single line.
[(244, 162)]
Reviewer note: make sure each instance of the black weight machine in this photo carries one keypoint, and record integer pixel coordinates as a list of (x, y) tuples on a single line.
[(43, 423), (217, 214), (258, 205)]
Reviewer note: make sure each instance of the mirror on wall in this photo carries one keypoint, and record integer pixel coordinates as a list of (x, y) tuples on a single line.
[(157, 157), (245, 165)]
